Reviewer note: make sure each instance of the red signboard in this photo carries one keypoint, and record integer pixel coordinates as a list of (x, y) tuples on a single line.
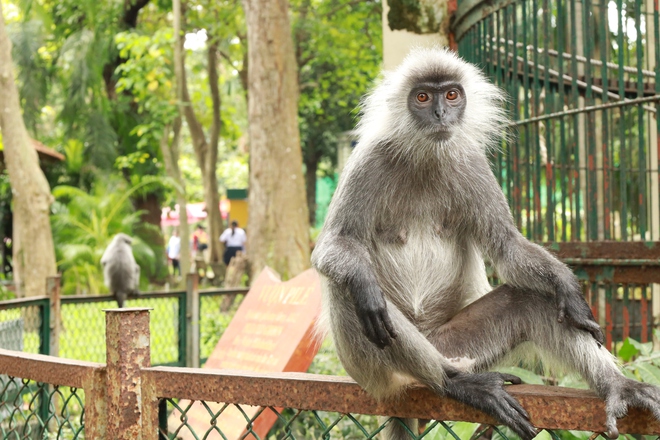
[(271, 331)]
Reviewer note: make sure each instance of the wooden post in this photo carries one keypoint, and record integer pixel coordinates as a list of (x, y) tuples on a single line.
[(192, 320), (128, 351), (53, 292)]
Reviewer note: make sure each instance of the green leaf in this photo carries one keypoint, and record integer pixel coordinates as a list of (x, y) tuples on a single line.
[(644, 348), (649, 373), (464, 429), (628, 371), (543, 435), (628, 350)]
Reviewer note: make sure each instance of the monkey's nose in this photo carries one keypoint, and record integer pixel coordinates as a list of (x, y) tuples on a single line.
[(437, 113)]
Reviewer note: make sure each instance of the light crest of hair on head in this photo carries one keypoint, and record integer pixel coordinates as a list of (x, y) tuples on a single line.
[(386, 118)]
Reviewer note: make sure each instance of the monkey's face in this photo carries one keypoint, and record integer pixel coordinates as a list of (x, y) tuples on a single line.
[(437, 107)]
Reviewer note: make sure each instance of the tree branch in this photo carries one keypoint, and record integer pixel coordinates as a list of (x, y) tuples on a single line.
[(212, 58), (342, 6), (183, 96), (131, 10)]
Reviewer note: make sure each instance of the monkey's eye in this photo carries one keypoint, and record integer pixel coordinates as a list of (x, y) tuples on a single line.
[(422, 97), (452, 95)]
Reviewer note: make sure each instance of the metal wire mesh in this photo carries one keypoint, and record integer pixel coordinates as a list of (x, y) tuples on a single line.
[(206, 420), (20, 329), (215, 314), (82, 335), (33, 410)]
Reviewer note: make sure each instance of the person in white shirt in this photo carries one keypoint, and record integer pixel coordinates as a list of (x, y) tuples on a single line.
[(174, 251), (234, 239)]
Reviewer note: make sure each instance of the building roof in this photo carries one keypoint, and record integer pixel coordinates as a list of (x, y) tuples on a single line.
[(46, 155)]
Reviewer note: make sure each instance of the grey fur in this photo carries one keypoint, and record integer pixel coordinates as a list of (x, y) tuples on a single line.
[(401, 254), (120, 271)]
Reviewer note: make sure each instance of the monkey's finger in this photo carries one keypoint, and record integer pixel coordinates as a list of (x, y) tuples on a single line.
[(381, 331), (519, 424), (369, 332), (561, 310), (511, 378), (387, 322), (589, 326), (612, 430), (596, 332), (516, 405)]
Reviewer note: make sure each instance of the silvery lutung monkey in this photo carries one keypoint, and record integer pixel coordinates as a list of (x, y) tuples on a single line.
[(120, 271), (401, 257)]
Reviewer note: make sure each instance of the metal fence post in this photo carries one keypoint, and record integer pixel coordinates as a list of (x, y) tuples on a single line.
[(128, 351), (53, 292), (192, 320), (183, 327), (44, 348), (96, 405)]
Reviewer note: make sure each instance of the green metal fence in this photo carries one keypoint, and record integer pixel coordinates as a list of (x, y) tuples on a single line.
[(33, 410), (582, 77), (25, 325), (581, 164), (298, 424)]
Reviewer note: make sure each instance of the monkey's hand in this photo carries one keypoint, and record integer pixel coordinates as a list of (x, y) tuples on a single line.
[(574, 310), (485, 391), (371, 310)]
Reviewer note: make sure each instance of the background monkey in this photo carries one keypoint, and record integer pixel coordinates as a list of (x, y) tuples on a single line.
[(120, 271), (401, 254)]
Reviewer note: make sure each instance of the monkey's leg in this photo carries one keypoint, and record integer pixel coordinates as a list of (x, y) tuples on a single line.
[(492, 326), (410, 359)]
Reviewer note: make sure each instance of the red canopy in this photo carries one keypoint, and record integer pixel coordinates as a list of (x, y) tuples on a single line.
[(196, 213)]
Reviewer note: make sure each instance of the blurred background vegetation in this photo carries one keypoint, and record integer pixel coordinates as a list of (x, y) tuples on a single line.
[(96, 82)]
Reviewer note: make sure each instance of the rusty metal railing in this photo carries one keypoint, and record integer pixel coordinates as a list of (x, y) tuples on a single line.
[(129, 399)]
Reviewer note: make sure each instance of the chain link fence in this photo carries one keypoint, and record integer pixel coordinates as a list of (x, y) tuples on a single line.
[(27, 325), (21, 327), (33, 410), (82, 335), (297, 424)]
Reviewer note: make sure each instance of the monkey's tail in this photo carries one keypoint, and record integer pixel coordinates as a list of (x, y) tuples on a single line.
[(401, 429)]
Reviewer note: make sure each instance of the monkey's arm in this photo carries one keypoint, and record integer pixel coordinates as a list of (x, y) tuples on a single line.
[(526, 265), (346, 263), (341, 252)]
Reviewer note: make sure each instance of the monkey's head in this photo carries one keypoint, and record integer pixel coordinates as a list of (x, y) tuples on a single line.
[(437, 106), (123, 238), (433, 102)]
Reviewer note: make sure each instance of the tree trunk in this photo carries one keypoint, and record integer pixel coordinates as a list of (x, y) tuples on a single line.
[(171, 159), (278, 225), (206, 153), (211, 195), (33, 251), (311, 166)]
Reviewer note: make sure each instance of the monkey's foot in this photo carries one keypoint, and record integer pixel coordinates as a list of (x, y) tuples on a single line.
[(630, 393), (485, 391)]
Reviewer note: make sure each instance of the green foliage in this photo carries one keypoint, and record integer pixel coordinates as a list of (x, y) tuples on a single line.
[(641, 362), (147, 74), (214, 322), (84, 224), (339, 55)]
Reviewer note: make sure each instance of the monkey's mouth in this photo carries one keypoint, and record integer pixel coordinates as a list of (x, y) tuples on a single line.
[(441, 133)]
